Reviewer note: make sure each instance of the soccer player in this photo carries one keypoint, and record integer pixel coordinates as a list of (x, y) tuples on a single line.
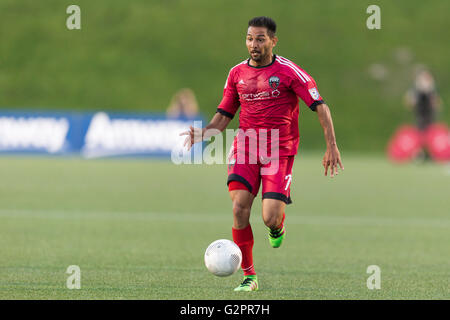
[(266, 87)]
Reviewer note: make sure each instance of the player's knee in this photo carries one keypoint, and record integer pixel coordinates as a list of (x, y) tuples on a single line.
[(241, 211), (272, 219)]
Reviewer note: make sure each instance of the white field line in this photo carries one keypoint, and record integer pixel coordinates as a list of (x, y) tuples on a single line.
[(224, 217)]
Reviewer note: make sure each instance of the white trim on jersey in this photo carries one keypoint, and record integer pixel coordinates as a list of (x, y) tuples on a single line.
[(226, 81), (298, 74), (289, 63), (296, 67)]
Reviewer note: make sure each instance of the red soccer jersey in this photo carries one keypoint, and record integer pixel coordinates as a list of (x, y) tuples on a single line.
[(268, 97)]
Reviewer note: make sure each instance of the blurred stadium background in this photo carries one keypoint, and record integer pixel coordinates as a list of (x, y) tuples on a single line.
[(110, 216)]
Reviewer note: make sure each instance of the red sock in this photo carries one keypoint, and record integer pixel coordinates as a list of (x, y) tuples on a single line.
[(244, 239)]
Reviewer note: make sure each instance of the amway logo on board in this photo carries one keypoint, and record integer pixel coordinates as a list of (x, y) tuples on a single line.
[(106, 137), (28, 133)]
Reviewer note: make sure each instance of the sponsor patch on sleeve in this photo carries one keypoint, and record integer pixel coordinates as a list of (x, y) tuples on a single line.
[(314, 93)]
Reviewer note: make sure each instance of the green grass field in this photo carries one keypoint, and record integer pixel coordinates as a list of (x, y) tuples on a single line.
[(138, 229)]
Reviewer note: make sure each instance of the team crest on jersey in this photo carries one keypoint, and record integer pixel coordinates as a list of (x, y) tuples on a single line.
[(274, 81), (314, 93)]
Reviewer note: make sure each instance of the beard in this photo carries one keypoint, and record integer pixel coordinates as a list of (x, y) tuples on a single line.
[(257, 57)]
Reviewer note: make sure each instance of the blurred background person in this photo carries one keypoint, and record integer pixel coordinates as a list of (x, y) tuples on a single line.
[(422, 99), (183, 104)]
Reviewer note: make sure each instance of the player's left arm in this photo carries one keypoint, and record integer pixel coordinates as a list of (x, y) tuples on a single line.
[(332, 157), (306, 89)]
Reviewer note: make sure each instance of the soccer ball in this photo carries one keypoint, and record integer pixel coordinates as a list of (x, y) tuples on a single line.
[(223, 257)]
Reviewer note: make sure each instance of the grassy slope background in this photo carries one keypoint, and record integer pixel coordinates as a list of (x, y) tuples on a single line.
[(133, 55)]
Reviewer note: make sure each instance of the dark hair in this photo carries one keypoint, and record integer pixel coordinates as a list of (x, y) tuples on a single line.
[(264, 22)]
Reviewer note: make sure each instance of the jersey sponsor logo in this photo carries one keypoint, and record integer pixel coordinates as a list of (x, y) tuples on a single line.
[(275, 93), (260, 95), (314, 93), (255, 96), (274, 81)]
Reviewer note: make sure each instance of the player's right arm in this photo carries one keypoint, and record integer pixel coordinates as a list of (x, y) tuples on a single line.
[(225, 112), (217, 124)]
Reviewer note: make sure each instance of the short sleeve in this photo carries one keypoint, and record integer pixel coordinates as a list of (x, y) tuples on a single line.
[(305, 87), (230, 101)]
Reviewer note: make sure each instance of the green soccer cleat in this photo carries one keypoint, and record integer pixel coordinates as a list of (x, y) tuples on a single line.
[(250, 283), (276, 237)]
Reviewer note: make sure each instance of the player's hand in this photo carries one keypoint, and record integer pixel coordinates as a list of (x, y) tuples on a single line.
[(193, 135), (331, 160)]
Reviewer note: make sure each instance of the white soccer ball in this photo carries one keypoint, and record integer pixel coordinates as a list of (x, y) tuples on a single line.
[(223, 257)]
